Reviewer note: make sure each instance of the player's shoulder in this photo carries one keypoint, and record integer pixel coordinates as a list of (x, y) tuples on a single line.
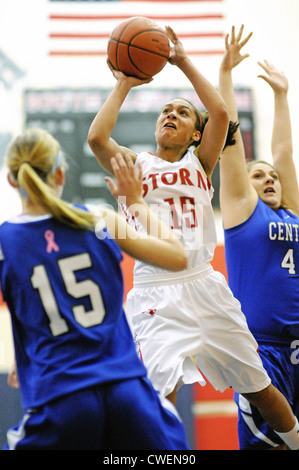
[(144, 154)]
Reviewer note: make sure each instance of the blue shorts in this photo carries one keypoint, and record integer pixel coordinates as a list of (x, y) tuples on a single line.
[(125, 415), (253, 432)]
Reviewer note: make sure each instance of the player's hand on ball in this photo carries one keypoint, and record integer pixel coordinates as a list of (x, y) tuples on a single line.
[(177, 52), (134, 81)]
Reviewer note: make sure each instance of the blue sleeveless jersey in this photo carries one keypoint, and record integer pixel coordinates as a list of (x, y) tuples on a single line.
[(262, 257), (64, 290)]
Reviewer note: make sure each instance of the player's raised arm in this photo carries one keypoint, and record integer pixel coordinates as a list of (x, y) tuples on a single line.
[(281, 142), (99, 135), (237, 197), (215, 131)]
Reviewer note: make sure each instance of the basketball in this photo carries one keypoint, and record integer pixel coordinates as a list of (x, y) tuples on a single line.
[(138, 47)]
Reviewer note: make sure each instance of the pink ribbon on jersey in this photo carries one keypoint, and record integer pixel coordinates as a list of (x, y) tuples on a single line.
[(49, 236)]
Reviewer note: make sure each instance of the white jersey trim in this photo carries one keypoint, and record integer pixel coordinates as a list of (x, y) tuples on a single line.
[(16, 435), (26, 218), (245, 408)]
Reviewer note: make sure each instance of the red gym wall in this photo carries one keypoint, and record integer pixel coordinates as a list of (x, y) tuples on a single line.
[(215, 413)]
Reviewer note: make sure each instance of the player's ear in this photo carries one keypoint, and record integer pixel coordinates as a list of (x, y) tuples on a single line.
[(60, 176), (196, 135), (12, 181)]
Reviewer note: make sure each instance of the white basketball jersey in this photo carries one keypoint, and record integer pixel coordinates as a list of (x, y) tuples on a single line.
[(180, 194)]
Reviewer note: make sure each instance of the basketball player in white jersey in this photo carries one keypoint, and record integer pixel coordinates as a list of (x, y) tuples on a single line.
[(193, 314)]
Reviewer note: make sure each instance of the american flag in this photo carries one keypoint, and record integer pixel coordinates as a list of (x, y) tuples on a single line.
[(83, 27)]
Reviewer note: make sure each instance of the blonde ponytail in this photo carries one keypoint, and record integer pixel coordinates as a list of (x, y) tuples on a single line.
[(31, 159)]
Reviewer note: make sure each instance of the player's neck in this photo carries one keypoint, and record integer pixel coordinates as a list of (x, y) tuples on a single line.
[(170, 154), (30, 208)]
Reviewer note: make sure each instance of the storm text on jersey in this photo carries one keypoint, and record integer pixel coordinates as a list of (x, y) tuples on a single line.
[(170, 178)]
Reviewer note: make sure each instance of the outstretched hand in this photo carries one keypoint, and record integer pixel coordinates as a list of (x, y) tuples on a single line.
[(177, 51), (233, 46), (276, 79), (128, 179)]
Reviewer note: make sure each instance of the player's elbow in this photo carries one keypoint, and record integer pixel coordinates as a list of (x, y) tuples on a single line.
[(100, 149), (220, 119), (222, 114), (95, 141)]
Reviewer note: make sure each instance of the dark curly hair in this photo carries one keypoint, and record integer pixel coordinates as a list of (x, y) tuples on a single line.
[(201, 121)]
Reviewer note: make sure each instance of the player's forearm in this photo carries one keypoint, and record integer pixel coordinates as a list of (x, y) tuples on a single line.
[(226, 89), (158, 247), (206, 92), (105, 120), (152, 224), (281, 143)]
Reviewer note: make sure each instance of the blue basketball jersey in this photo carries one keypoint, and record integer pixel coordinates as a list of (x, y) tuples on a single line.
[(262, 257), (64, 290)]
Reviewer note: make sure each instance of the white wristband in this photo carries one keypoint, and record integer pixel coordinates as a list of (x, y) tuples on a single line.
[(291, 438)]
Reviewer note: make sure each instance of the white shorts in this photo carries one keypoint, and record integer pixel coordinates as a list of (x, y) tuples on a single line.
[(194, 317)]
